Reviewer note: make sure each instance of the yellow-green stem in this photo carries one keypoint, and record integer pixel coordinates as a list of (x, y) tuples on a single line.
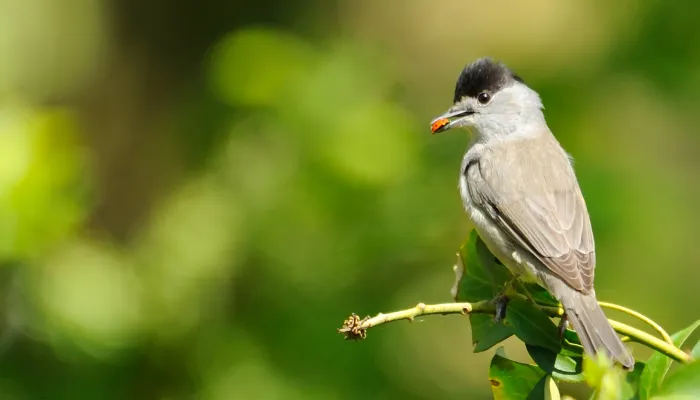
[(640, 316), (356, 328)]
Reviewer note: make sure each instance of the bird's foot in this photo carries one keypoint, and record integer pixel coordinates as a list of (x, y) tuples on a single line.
[(501, 303), (563, 322)]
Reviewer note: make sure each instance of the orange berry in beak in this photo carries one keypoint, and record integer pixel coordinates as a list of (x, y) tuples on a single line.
[(439, 124)]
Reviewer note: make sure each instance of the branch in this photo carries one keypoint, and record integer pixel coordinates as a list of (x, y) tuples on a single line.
[(641, 317), (355, 328)]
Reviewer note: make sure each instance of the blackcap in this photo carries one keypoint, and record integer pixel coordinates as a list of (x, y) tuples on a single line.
[(519, 188)]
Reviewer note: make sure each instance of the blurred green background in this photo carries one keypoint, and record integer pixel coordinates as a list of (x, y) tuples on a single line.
[(195, 194)]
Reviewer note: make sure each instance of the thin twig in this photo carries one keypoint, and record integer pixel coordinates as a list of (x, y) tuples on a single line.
[(646, 339), (640, 316), (356, 328)]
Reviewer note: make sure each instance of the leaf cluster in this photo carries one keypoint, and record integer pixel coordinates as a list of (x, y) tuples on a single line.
[(556, 357)]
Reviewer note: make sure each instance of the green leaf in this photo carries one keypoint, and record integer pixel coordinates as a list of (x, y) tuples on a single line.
[(571, 345), (684, 383), (571, 336), (486, 333), (541, 295), (696, 351), (551, 391), (481, 278), (497, 273), (512, 380), (595, 368), (474, 283), (533, 326), (607, 379), (633, 378), (545, 389), (658, 365), (562, 367)]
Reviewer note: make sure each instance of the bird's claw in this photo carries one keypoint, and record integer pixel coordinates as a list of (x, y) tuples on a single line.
[(563, 322), (501, 303)]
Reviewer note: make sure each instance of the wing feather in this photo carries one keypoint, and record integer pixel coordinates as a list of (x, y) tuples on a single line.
[(540, 208)]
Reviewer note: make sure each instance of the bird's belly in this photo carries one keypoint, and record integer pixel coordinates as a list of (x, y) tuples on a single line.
[(517, 260)]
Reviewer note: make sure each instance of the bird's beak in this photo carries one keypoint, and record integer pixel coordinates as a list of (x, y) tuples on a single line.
[(448, 120)]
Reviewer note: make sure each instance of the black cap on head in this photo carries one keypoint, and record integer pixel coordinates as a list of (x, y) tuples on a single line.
[(483, 75)]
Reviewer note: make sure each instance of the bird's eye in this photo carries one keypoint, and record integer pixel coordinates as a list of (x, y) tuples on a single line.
[(483, 97)]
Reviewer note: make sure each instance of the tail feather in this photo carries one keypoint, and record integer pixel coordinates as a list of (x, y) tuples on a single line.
[(593, 329)]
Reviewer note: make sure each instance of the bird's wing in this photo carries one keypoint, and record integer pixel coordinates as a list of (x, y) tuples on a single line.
[(541, 208)]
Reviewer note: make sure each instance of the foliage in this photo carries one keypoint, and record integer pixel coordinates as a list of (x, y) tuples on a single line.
[(556, 359), (658, 366)]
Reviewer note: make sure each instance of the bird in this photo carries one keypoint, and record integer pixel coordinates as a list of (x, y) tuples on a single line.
[(520, 190)]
